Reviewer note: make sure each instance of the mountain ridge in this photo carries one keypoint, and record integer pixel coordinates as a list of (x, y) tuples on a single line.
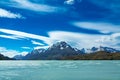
[(2, 57), (61, 50)]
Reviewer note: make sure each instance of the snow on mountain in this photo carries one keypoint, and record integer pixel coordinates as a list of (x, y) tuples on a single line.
[(61, 49), (56, 51), (108, 49), (101, 48), (37, 51), (60, 45)]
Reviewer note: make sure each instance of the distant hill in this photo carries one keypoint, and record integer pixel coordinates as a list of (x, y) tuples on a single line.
[(100, 55), (18, 57), (2, 57), (63, 51)]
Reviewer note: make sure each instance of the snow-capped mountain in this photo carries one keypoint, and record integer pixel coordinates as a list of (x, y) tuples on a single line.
[(60, 45), (108, 49), (101, 48), (37, 51), (55, 51), (62, 49)]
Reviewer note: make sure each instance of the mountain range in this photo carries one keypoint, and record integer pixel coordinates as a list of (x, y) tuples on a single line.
[(62, 50), (2, 57)]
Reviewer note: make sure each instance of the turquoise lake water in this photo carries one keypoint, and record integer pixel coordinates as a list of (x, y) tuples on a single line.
[(60, 70)]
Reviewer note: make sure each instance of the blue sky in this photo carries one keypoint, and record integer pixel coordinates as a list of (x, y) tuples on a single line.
[(31, 24)]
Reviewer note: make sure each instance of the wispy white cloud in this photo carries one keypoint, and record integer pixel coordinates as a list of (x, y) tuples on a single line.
[(23, 35), (116, 38), (72, 2), (12, 37), (24, 47), (101, 27), (78, 40), (29, 5), (82, 40), (36, 43), (19, 35), (105, 40), (9, 37), (7, 14), (39, 47), (69, 2), (11, 53), (24, 53)]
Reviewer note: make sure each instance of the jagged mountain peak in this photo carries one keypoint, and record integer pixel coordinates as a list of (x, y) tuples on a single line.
[(56, 51), (35, 51), (60, 45)]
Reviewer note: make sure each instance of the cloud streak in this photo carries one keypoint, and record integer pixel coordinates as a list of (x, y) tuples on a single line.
[(26, 4), (11, 53), (29, 5), (101, 27), (9, 37), (16, 37), (23, 35), (82, 40), (25, 47), (7, 14), (70, 2), (78, 40), (36, 43)]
